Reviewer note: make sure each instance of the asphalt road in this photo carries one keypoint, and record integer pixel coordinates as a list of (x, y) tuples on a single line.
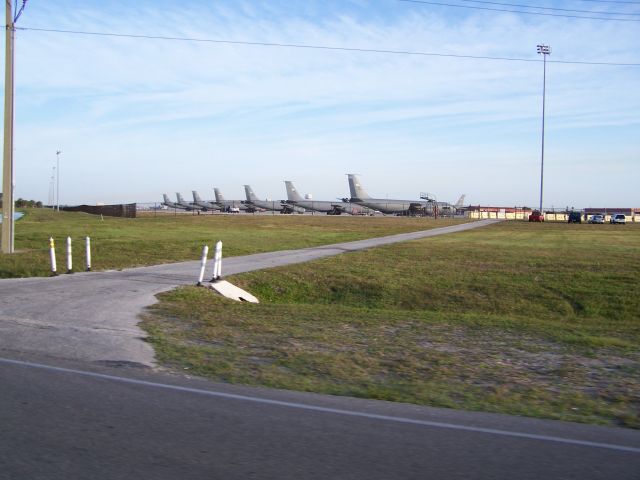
[(93, 316), (138, 424)]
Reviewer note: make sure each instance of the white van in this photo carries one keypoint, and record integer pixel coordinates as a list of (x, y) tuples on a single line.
[(618, 218)]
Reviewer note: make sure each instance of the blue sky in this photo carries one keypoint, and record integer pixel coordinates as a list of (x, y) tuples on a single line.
[(135, 118)]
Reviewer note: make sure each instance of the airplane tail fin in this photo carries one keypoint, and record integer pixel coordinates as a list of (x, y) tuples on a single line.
[(166, 198), (219, 197), (196, 196), (248, 191), (460, 202), (292, 193), (179, 197), (355, 188)]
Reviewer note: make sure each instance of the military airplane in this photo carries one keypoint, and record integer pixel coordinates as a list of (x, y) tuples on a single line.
[(181, 204), (275, 205), (326, 206), (355, 209), (170, 204), (386, 205), (445, 208), (188, 206), (206, 206), (229, 205)]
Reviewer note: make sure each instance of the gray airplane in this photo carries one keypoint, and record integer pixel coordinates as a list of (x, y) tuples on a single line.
[(326, 206), (186, 205), (275, 205), (229, 205), (171, 204), (386, 205), (202, 203), (445, 208), (181, 204), (354, 208)]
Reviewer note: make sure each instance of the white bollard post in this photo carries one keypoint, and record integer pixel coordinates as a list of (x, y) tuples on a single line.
[(52, 255), (69, 260), (88, 251), (217, 262), (219, 248), (203, 263)]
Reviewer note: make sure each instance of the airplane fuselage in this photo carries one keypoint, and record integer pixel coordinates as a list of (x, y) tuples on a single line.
[(206, 205), (331, 208), (324, 206), (387, 205), (231, 204), (189, 207), (264, 204), (173, 205)]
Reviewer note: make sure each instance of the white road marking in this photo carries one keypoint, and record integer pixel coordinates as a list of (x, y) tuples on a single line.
[(336, 411)]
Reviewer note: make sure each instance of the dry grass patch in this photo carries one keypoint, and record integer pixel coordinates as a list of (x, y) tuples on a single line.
[(537, 320)]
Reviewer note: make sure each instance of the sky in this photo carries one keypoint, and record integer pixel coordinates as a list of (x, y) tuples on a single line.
[(138, 117)]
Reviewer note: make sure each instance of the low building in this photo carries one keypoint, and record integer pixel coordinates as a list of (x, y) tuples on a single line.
[(507, 213), (522, 213)]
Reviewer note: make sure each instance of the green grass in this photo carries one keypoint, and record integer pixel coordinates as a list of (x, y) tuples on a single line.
[(147, 240), (539, 320)]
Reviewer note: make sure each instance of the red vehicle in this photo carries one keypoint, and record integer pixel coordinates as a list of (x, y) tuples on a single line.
[(536, 216)]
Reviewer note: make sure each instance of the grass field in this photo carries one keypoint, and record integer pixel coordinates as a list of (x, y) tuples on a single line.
[(531, 319), (147, 240)]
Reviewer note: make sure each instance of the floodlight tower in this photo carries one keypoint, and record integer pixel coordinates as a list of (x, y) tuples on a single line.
[(58, 152), (52, 188), (543, 50)]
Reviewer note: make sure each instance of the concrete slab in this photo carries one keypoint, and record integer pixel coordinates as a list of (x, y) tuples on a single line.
[(229, 290)]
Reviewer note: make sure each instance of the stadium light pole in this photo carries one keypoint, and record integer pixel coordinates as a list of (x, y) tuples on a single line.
[(543, 50), (51, 200), (58, 152)]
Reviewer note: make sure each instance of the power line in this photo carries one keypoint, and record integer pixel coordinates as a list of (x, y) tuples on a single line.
[(320, 47), (18, 11), (424, 2), (598, 12)]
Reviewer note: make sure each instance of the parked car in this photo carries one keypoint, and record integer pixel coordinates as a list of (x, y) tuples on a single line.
[(596, 218), (536, 216), (575, 217), (618, 218)]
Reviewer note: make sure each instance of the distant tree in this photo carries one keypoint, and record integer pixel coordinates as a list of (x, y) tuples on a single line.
[(22, 203)]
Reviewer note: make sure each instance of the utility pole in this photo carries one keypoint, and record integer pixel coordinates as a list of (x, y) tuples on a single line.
[(8, 205), (543, 50)]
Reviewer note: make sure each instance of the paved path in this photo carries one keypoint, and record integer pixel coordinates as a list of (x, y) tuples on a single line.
[(93, 316)]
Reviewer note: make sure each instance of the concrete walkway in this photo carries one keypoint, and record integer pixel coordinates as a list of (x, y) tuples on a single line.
[(93, 316)]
